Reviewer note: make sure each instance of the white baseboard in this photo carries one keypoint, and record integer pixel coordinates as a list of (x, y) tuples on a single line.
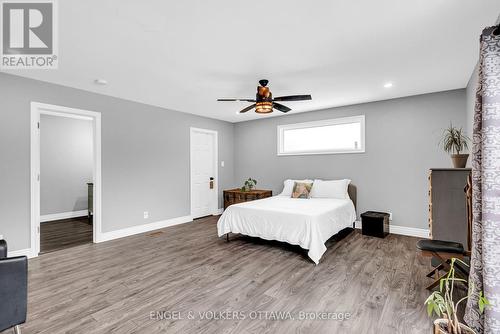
[(125, 232), (403, 230), (63, 215), (218, 212), (410, 231), (21, 252)]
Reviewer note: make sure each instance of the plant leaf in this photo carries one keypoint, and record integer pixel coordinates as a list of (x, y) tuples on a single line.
[(430, 308), (482, 302), (462, 262), (454, 140)]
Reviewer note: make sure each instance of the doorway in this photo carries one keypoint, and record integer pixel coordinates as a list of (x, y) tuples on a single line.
[(65, 177), (204, 173)]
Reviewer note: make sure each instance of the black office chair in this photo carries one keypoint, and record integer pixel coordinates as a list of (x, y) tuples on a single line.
[(13, 290)]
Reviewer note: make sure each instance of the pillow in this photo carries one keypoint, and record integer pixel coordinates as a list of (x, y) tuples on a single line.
[(288, 186), (302, 190), (330, 189)]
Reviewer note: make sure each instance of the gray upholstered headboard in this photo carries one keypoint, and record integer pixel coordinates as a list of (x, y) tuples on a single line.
[(352, 191)]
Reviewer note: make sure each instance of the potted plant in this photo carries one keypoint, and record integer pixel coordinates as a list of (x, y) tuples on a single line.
[(455, 141), (442, 304), (249, 184)]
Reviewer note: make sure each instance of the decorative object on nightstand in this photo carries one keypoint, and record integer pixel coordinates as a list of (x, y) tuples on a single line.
[(234, 196), (375, 224), (455, 141), (249, 184)]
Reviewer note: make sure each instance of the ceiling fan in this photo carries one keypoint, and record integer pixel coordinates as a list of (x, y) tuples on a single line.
[(264, 102)]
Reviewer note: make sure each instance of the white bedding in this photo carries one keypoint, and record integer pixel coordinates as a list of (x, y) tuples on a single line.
[(308, 223)]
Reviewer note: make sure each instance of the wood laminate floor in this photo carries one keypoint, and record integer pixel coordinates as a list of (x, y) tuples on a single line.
[(114, 286), (64, 233)]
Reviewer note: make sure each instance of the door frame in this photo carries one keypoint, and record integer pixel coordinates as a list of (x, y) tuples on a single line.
[(215, 201), (38, 109)]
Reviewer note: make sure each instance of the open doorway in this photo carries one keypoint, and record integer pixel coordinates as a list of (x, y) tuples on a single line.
[(65, 155)]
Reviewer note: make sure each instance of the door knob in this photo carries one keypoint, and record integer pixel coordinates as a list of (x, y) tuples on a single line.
[(211, 183)]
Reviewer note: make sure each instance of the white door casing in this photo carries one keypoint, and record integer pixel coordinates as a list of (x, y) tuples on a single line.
[(36, 110), (204, 159)]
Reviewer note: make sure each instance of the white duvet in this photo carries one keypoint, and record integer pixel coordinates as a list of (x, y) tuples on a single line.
[(308, 223)]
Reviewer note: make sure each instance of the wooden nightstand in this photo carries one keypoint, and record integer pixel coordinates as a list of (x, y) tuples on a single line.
[(234, 196)]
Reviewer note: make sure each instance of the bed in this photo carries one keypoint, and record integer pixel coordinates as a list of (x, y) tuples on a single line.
[(308, 223)]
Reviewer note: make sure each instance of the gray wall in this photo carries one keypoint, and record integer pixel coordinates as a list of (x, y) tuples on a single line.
[(402, 138), (66, 162), (145, 156)]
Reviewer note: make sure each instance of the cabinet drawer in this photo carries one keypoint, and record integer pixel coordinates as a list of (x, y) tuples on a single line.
[(237, 196)]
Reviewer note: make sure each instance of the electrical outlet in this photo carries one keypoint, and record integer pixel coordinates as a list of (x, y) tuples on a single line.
[(146, 214), (222, 163), (390, 215)]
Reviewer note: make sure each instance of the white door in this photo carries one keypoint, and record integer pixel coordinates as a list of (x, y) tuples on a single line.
[(203, 172)]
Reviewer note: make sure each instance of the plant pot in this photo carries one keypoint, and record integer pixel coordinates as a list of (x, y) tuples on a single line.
[(459, 160), (440, 324)]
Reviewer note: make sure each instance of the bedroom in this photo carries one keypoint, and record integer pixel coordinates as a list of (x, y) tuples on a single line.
[(169, 158)]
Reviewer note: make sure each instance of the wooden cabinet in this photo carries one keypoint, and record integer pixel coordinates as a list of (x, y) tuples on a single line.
[(448, 204), (234, 196)]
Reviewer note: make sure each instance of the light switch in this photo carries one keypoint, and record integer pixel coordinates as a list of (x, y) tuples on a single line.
[(222, 163)]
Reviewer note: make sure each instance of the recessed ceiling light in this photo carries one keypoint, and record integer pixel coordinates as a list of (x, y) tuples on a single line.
[(100, 82), (388, 85)]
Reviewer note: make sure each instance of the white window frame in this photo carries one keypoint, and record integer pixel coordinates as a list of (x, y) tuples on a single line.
[(334, 121)]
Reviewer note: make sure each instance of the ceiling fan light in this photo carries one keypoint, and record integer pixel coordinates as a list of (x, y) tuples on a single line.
[(264, 107)]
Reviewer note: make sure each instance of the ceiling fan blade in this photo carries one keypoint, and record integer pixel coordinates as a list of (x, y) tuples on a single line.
[(247, 109), (293, 98), (244, 100), (281, 107)]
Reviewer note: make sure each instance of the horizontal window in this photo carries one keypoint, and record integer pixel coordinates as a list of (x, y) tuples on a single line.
[(331, 136)]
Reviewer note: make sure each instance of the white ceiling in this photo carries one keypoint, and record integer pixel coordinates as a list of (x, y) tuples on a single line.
[(183, 55)]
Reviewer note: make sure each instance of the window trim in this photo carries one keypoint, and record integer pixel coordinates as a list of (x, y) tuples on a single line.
[(326, 122)]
